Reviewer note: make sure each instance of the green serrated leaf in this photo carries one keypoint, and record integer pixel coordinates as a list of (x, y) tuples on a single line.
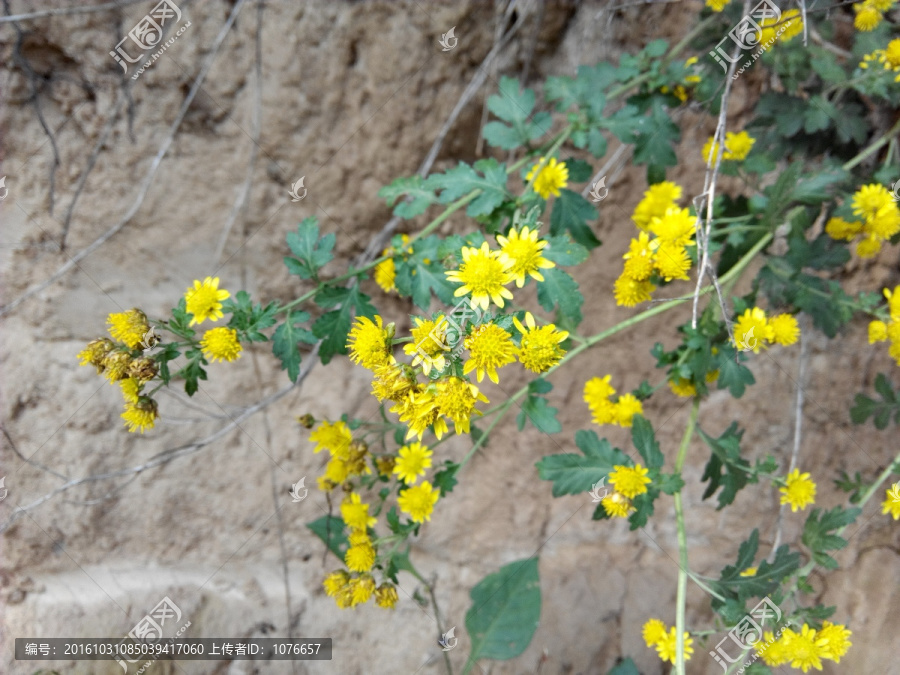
[(563, 251), (560, 290), (330, 529), (506, 608), (312, 252), (417, 197), (572, 473), (286, 342), (333, 327), (645, 441), (463, 179), (571, 212)]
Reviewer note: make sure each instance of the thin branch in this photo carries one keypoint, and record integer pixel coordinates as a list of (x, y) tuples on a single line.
[(148, 179), (28, 460), (69, 10)]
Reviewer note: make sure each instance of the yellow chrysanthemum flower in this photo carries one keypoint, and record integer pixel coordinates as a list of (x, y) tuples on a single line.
[(597, 392), (552, 178), (335, 582), (785, 329), (370, 342), (629, 481), (799, 491), (770, 650), (629, 292), (140, 415), (455, 398), (877, 332), (752, 330), (522, 253), (737, 147), (790, 24), (130, 389), (386, 273), (654, 631), (386, 596), (419, 411), (335, 437), (95, 352), (362, 588), (483, 274), (336, 472), (804, 650), (429, 342), (666, 647), (355, 513), (868, 247), (204, 300), (657, 199), (360, 558), (418, 501), (490, 347), (892, 55), (837, 640), (869, 199), (893, 298), (616, 505), (221, 344), (716, 6), (683, 388), (129, 327), (412, 461), (672, 261), (639, 259), (675, 227), (838, 228), (539, 350), (891, 503), (867, 17), (626, 408), (115, 365)]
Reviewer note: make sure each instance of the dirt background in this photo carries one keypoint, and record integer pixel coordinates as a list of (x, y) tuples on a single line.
[(353, 94)]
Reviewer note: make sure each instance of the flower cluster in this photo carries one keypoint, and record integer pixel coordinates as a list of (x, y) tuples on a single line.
[(879, 330), (880, 215), (385, 272), (753, 330), (123, 362), (737, 147), (665, 640), (870, 13), (806, 649), (666, 255), (598, 394), (628, 482), (889, 58), (798, 490)]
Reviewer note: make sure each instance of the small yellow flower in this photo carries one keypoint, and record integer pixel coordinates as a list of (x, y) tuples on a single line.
[(360, 558), (221, 344), (129, 327), (418, 501), (749, 572), (626, 408), (877, 332), (772, 651), (867, 17), (752, 330), (790, 25), (95, 352), (639, 259), (370, 342), (334, 582), (204, 300), (429, 342), (597, 392), (891, 503), (412, 462), (386, 273), (336, 471), (539, 350), (115, 365), (657, 199), (666, 647), (130, 389), (675, 227), (837, 640), (672, 261), (522, 251), (716, 6), (483, 273), (140, 415), (629, 292), (386, 596), (869, 200), (629, 481), (785, 329), (804, 650), (552, 178), (393, 381), (616, 505), (683, 388), (362, 588), (868, 247), (893, 298), (455, 398), (654, 631), (799, 491), (490, 347), (334, 437), (838, 228), (355, 513), (737, 147)]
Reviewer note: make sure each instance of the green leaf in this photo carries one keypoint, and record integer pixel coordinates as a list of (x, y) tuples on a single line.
[(193, 371), (819, 115), (312, 253), (626, 667), (767, 579), (506, 608), (563, 251), (670, 483), (333, 327), (726, 468), (514, 106), (573, 474), (645, 441), (585, 89), (657, 133), (818, 532), (286, 342), (418, 197), (579, 170), (180, 323), (733, 376), (826, 66), (644, 508), (571, 212), (249, 319), (330, 529), (445, 479), (865, 407), (560, 290), (536, 410), (462, 179)]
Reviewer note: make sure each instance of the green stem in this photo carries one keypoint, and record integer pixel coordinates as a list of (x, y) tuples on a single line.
[(682, 542), (501, 411), (883, 476), (884, 138)]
